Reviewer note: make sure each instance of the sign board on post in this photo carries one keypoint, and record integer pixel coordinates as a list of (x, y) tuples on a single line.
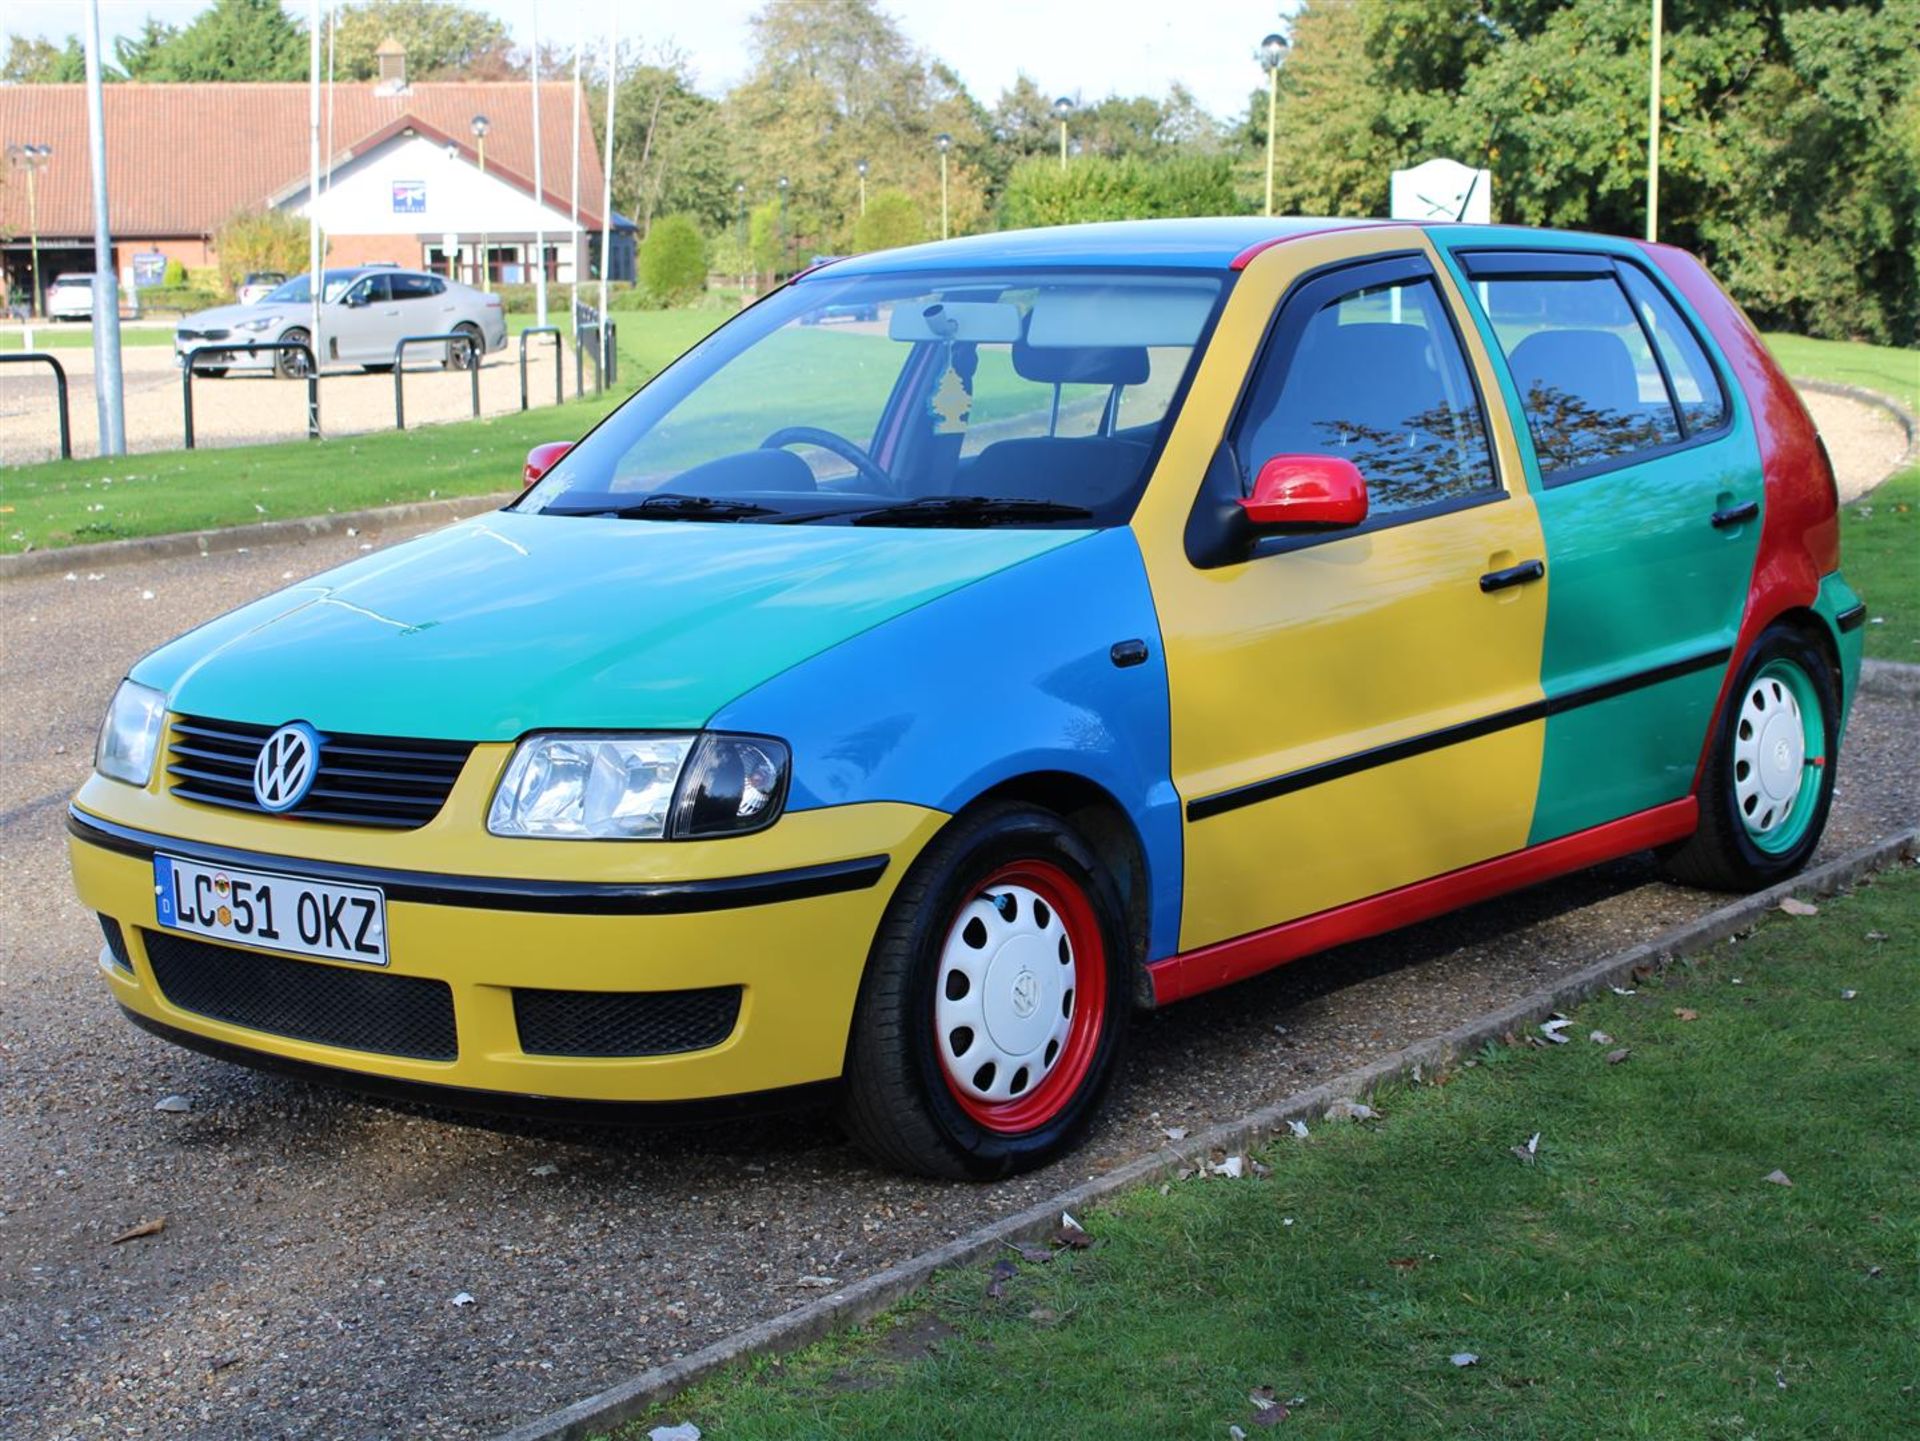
[(1442, 190), (149, 268)]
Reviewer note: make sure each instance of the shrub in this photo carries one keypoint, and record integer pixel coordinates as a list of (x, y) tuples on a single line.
[(673, 260), (1039, 192), (892, 220), (174, 277), (258, 240)]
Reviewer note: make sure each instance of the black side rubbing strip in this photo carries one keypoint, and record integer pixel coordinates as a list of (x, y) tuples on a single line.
[(1201, 807), (506, 893), (1853, 618)]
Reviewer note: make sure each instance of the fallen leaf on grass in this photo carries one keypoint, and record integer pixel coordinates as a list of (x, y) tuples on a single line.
[(1404, 1263), (174, 1105), (1686, 1013), (1030, 1253), (1232, 1168), (1352, 1110), (1176, 1133), (1848, 995), (1779, 1178), (1876, 935), (1614, 1058), (1600, 1038), (1299, 1129), (1794, 906), (1070, 1235), (816, 1283), (1464, 1358), (1552, 1030), (1268, 1410), (1622, 991), (145, 1228), (685, 1431), (1003, 1272), (1528, 1151)]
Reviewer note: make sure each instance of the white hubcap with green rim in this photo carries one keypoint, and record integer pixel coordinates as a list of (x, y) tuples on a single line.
[(1769, 754)]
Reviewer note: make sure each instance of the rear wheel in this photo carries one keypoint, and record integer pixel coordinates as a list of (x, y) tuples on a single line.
[(292, 364), (1769, 781), (467, 356), (994, 1006), (210, 372), (384, 368)]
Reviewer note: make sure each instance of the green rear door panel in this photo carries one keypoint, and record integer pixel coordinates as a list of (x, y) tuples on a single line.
[(1638, 580)]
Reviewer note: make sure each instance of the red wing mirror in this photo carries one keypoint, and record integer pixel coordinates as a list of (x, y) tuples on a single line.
[(543, 458), (1318, 492)]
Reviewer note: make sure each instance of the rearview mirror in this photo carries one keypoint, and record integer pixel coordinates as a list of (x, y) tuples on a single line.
[(543, 458), (1307, 492)]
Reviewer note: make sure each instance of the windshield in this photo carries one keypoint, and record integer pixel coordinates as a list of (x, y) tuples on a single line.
[(296, 292), (1026, 399)]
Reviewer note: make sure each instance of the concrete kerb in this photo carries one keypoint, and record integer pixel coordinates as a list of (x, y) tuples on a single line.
[(867, 1298), (1908, 422), (243, 537), (1892, 679)]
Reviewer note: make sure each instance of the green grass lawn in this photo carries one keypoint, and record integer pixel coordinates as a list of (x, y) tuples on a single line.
[(69, 335), (1641, 1278), (1880, 534)]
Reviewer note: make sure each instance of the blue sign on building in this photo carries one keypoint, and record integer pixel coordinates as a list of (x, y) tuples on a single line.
[(409, 197), (149, 268)]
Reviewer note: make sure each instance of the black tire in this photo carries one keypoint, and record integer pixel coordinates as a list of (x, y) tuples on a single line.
[(209, 372), (291, 364), (897, 1104), (1720, 855), (384, 368), (465, 357)]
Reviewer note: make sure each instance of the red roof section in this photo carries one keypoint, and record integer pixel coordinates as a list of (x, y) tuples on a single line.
[(182, 158)]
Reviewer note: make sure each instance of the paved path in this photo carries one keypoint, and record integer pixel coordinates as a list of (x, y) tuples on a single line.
[(314, 1241)]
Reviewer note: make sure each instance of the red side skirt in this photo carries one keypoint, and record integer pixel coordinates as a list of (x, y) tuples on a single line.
[(1225, 962)]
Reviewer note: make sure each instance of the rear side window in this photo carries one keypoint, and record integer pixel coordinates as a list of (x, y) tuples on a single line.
[(1376, 376), (1588, 380), (1696, 389), (415, 287)]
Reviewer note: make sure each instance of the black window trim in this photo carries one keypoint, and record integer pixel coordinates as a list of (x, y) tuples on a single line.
[(1412, 264), (1507, 264)]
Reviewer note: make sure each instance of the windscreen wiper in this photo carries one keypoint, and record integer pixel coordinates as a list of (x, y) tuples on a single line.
[(672, 505), (970, 509)]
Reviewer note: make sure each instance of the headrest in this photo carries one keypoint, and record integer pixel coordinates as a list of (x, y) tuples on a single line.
[(1082, 364), (1591, 365)]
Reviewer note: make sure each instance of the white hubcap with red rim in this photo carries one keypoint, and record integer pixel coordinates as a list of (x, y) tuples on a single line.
[(1004, 1002)]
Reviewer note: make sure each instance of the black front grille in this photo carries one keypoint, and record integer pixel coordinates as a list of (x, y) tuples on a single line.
[(624, 1023), (116, 942), (216, 333), (362, 781), (309, 1001)]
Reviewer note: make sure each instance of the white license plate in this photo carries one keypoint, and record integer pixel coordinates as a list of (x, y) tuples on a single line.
[(276, 913)]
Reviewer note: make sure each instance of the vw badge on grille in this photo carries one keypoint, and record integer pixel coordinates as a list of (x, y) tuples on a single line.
[(288, 763)]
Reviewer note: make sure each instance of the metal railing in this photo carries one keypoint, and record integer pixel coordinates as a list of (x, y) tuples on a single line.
[(59, 390), (450, 339), (559, 365), (252, 347), (605, 372)]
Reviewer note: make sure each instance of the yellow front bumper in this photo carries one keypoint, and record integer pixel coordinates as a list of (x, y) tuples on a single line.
[(798, 961)]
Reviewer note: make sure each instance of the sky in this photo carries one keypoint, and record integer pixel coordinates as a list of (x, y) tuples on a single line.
[(1071, 47)]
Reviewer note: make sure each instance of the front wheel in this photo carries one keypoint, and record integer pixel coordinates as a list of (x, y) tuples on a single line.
[(292, 364), (1769, 778), (992, 1014)]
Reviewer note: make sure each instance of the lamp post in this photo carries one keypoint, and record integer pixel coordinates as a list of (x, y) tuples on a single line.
[(480, 143), (944, 142), (780, 248), (740, 224), (1062, 108), (453, 251), (1653, 130), (860, 169), (1271, 50), (30, 158)]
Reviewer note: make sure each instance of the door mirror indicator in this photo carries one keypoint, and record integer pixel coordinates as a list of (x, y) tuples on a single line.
[(1307, 492), (543, 458)]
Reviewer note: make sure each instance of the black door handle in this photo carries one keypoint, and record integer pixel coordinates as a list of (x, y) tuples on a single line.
[(1735, 515), (1521, 574)]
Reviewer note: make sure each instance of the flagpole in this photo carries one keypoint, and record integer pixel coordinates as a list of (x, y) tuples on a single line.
[(539, 187), (316, 281), (579, 44), (606, 174), (108, 392)]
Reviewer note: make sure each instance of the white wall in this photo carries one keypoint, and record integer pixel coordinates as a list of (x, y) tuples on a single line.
[(458, 198)]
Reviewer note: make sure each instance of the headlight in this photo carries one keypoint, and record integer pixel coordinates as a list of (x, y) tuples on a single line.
[(257, 324), (639, 787), (130, 735)]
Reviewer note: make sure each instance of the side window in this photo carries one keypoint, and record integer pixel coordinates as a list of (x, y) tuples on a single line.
[(1588, 381), (414, 287), (369, 290), (1696, 389), (1374, 375)]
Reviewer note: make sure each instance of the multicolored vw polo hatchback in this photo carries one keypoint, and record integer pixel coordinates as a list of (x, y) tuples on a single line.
[(970, 645)]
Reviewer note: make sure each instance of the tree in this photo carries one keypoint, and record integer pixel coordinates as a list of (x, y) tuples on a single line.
[(441, 39), (1039, 192), (139, 54), (35, 61), (234, 40), (671, 150), (260, 240), (892, 220), (673, 260)]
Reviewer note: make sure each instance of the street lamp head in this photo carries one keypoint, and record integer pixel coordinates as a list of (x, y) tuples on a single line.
[(480, 126), (453, 151), (782, 182), (1271, 49), (860, 168), (1062, 108), (944, 141), (739, 187)]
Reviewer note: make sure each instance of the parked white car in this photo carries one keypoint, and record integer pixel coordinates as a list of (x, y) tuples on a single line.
[(364, 313), (258, 285), (70, 297)]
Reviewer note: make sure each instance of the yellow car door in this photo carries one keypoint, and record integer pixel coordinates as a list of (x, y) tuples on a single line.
[(1353, 710)]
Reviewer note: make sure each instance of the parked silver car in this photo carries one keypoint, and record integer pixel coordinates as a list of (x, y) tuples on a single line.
[(258, 285), (364, 313), (70, 297)]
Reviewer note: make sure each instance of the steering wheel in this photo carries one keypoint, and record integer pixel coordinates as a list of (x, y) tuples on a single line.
[(852, 454)]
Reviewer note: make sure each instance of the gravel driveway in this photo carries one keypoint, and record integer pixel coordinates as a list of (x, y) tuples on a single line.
[(304, 1283)]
